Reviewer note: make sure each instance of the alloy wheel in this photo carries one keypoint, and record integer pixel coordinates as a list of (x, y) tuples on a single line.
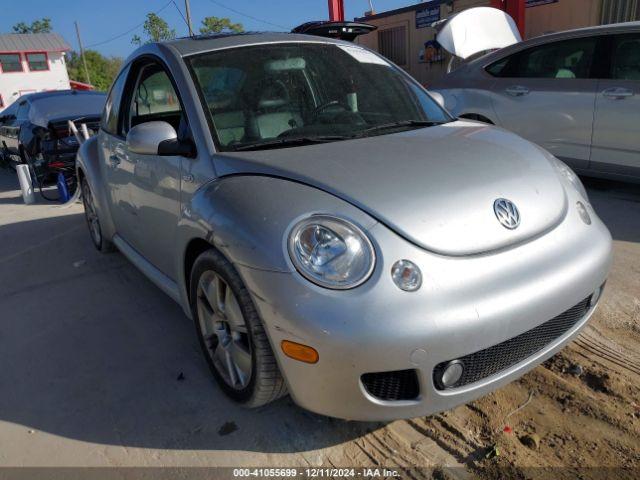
[(224, 330), (91, 214)]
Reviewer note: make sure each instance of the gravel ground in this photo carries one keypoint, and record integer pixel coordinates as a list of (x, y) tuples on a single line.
[(99, 368)]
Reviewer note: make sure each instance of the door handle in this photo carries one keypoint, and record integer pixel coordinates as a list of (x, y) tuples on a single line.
[(517, 91), (115, 161), (618, 93)]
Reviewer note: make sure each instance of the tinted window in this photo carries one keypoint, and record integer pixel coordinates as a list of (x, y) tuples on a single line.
[(626, 57), (37, 62), (10, 62), (112, 107), (564, 59)]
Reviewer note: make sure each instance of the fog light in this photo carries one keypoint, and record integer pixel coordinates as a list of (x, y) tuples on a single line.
[(582, 211), (406, 275), (452, 373)]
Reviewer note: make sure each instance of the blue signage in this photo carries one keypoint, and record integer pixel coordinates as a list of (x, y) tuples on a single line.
[(426, 16)]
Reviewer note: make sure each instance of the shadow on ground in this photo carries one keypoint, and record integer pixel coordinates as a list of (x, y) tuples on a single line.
[(91, 350), (618, 205)]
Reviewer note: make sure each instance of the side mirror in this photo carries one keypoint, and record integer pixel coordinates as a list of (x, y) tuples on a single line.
[(157, 138)]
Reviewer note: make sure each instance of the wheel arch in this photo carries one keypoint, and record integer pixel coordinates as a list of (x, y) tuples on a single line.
[(250, 229), (88, 167), (195, 247), (477, 117)]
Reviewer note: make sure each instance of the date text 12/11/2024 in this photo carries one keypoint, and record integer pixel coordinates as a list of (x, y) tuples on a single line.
[(319, 472)]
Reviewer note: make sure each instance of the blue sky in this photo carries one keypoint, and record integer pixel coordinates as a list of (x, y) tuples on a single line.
[(103, 20)]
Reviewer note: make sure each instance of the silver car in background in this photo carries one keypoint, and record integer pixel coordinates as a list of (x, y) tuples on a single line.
[(574, 93), (332, 231)]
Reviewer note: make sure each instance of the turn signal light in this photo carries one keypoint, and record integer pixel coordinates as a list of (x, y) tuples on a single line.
[(300, 352)]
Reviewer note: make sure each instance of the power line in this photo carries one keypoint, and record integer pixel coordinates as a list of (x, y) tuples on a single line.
[(180, 12), (247, 15), (128, 31)]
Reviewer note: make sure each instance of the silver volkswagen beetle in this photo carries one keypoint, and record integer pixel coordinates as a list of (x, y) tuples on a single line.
[(332, 231)]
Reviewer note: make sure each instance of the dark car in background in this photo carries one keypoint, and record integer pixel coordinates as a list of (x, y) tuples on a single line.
[(35, 130)]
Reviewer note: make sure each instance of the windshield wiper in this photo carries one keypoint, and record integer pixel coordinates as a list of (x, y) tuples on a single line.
[(399, 124), (289, 142)]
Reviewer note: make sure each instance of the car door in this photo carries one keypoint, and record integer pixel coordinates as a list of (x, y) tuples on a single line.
[(6, 121), (11, 130), (546, 94), (111, 152), (155, 179), (616, 132)]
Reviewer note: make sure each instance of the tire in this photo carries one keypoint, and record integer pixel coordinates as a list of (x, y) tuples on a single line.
[(93, 220), (231, 334)]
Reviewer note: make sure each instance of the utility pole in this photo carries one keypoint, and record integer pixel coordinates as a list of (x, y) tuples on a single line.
[(187, 7), (84, 60)]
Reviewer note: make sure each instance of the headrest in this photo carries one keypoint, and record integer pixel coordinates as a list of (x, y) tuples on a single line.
[(295, 63)]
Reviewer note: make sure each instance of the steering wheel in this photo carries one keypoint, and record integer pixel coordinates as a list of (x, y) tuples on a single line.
[(333, 103)]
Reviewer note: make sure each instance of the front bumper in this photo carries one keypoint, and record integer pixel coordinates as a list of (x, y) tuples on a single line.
[(466, 304)]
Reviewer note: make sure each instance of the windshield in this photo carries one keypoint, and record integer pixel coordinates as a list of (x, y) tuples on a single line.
[(279, 95)]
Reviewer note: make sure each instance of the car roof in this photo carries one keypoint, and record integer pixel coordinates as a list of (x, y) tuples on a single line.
[(205, 43), (597, 30), (613, 28)]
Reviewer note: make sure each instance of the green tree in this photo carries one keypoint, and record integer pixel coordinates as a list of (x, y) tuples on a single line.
[(102, 70), (156, 29), (219, 25), (38, 26)]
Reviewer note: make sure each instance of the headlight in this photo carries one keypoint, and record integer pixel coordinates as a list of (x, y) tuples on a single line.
[(331, 252), (569, 174)]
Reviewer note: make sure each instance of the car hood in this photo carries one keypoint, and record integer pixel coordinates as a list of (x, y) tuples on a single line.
[(477, 30), (434, 186)]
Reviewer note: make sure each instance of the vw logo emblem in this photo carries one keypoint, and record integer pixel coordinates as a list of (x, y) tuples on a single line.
[(507, 213)]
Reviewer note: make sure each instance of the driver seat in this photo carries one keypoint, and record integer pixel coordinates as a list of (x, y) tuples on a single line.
[(275, 114)]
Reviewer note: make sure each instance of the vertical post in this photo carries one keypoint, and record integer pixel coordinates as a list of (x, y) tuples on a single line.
[(336, 10), (84, 60), (187, 8), (515, 8)]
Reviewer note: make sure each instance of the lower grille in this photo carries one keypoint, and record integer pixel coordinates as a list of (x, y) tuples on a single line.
[(398, 385), (499, 357)]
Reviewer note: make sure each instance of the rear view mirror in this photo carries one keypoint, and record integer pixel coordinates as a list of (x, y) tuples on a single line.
[(157, 138)]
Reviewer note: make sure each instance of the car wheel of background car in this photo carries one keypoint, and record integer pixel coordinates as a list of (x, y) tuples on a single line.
[(231, 333), (93, 221)]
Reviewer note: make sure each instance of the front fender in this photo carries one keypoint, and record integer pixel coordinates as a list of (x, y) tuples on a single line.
[(248, 218), (88, 165)]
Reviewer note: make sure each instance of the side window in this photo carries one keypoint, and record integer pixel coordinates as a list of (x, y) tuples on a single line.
[(564, 59), (625, 63), (154, 98), (496, 69), (112, 107)]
